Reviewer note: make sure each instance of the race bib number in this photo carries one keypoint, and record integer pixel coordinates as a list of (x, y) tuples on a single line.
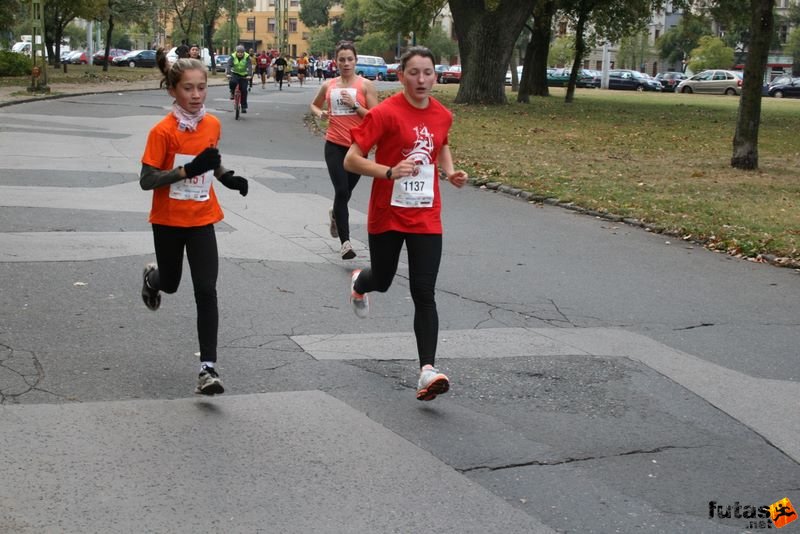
[(415, 191), (338, 107), (196, 188)]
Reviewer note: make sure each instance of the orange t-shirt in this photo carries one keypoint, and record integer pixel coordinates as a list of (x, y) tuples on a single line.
[(341, 119), (163, 143)]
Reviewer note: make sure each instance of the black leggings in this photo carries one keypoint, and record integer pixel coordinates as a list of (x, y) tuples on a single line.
[(200, 243), (343, 184), (424, 256), (242, 82)]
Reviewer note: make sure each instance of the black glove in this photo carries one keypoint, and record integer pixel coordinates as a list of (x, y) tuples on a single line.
[(207, 160), (234, 182)]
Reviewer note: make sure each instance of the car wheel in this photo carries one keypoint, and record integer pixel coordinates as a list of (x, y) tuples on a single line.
[(132, 64), (379, 77), (687, 90), (778, 94), (640, 88), (730, 92)]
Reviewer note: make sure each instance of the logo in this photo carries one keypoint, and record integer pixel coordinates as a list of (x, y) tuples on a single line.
[(776, 515), (782, 513)]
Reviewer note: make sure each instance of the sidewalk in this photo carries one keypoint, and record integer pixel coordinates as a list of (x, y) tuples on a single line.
[(18, 94)]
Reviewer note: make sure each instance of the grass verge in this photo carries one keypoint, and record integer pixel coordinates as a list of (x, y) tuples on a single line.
[(660, 159)]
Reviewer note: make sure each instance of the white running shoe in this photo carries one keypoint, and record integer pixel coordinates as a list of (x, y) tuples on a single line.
[(208, 382), (360, 302), (347, 251), (431, 383)]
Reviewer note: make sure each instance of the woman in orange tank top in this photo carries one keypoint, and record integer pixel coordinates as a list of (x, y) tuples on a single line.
[(347, 98)]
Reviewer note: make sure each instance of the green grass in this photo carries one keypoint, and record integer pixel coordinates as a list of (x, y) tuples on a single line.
[(663, 159), (86, 74)]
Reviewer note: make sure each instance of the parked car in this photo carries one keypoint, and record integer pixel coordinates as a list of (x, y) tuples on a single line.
[(784, 86), (76, 57), (439, 70), (391, 71), (452, 74), (723, 82), (631, 80), (137, 58), (519, 75), (372, 67), (221, 62), (560, 78), (100, 59), (670, 80)]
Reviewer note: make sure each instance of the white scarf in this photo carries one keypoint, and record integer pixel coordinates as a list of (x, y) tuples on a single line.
[(186, 120)]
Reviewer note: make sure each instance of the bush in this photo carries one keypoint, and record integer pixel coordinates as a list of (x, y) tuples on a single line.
[(14, 64)]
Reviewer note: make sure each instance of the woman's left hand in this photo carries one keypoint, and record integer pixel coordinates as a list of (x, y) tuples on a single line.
[(458, 178)]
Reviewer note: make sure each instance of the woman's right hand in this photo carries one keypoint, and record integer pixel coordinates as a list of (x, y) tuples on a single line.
[(403, 168), (323, 115)]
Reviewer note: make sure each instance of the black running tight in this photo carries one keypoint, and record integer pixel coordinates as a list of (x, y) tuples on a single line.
[(424, 257), (200, 243), (343, 184)]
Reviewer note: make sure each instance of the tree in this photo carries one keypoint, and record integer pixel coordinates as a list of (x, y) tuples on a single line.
[(534, 70), (793, 48), (711, 54), (322, 41), (315, 12), (122, 12), (676, 44), (562, 51), (486, 31), (634, 50), (374, 43), (11, 11), (745, 140), (226, 36), (58, 14), (439, 43)]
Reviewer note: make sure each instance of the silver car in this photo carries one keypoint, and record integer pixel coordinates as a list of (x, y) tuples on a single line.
[(720, 82)]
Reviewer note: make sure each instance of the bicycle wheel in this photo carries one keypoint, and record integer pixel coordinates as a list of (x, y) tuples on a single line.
[(237, 103)]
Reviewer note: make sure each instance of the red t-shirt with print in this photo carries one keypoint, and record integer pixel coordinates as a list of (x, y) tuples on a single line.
[(163, 143), (402, 131)]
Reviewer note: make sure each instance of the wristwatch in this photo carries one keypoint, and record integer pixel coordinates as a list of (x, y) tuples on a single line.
[(389, 174), (356, 105)]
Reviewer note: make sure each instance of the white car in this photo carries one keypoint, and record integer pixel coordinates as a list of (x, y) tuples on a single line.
[(519, 75), (205, 56)]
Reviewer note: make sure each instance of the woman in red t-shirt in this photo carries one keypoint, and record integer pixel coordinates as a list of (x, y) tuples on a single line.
[(180, 164), (410, 132), (347, 98)]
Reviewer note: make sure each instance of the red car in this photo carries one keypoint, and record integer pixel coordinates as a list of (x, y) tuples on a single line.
[(452, 75), (99, 59)]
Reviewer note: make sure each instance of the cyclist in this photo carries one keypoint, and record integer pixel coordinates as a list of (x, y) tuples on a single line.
[(240, 70)]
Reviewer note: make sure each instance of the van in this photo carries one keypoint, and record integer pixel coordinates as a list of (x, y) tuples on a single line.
[(22, 47), (372, 67), (205, 56)]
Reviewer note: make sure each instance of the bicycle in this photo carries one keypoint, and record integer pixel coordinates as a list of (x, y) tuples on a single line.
[(237, 100)]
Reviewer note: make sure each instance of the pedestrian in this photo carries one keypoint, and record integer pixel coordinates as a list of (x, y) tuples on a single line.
[(410, 131), (240, 71), (279, 67), (182, 51), (302, 68), (347, 98), (179, 165), (194, 52), (262, 63)]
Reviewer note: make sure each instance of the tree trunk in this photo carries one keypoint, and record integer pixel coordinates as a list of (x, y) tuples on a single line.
[(486, 37), (108, 40), (745, 140), (534, 71), (580, 51)]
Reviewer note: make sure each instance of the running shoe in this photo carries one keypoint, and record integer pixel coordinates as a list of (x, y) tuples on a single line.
[(334, 230), (347, 251), (209, 383), (431, 383), (360, 302), (150, 296)]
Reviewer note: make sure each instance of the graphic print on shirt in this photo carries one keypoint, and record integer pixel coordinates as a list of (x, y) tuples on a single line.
[(416, 191)]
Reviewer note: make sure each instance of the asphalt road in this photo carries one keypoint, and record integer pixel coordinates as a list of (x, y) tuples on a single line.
[(604, 379)]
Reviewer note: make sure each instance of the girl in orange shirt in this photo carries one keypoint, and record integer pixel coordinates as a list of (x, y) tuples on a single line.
[(180, 164)]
